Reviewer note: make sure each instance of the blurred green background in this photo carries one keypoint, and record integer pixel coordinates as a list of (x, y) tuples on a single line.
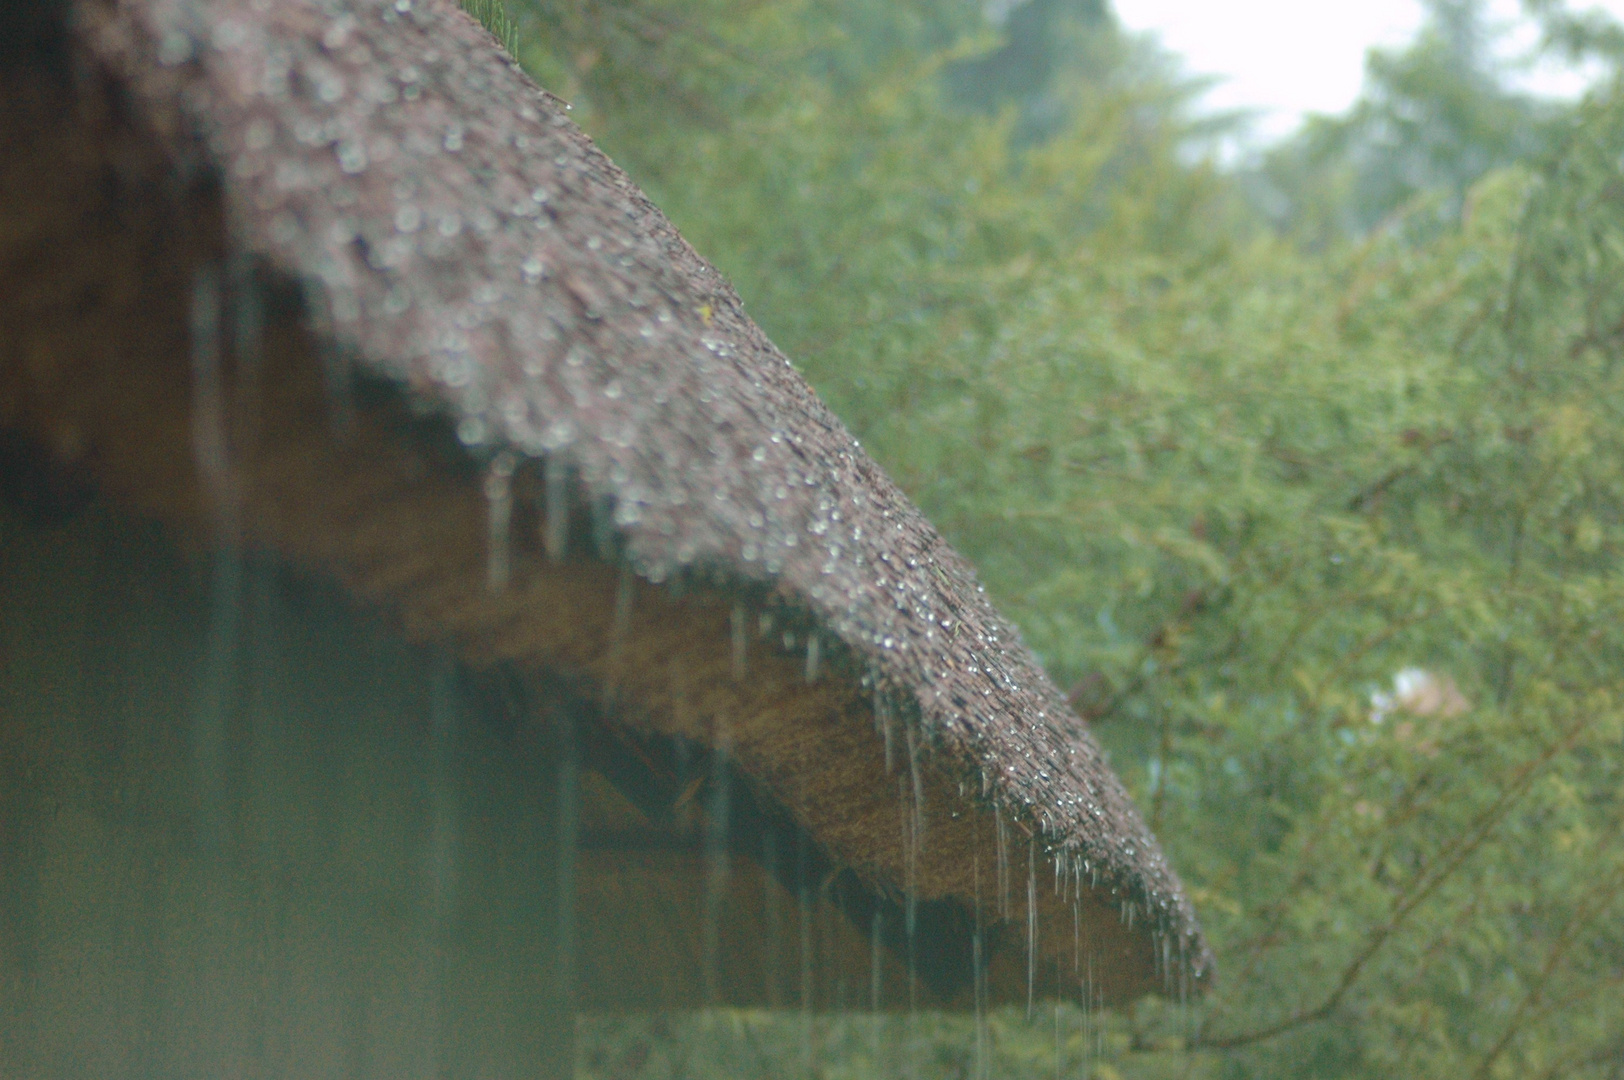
[(1305, 473)]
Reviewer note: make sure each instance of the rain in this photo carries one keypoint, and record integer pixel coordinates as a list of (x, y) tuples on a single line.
[(443, 634)]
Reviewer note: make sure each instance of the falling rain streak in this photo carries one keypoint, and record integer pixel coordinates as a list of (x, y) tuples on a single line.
[(499, 518), (717, 867), (217, 685), (620, 622), (1031, 926), (741, 641), (556, 522), (1001, 840), (209, 451)]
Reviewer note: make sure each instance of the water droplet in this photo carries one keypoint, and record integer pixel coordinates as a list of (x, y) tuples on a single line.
[(628, 512), (328, 83), (175, 49), (532, 269), (352, 156), (450, 225), (338, 33), (456, 369), (559, 434), (471, 430), (259, 136), (453, 138), (408, 218), (230, 34)]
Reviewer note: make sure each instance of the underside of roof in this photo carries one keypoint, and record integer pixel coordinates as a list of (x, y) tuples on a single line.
[(337, 281)]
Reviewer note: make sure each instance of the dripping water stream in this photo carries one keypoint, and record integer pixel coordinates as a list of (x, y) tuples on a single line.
[(1031, 926), (219, 676), (717, 867), (556, 518), (499, 516)]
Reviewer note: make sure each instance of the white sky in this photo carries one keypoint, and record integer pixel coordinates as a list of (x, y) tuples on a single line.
[(1291, 57)]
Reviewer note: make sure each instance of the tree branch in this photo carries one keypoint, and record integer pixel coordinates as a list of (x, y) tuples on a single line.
[(1430, 878)]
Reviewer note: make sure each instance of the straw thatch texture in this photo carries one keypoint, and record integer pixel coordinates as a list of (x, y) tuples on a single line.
[(264, 259)]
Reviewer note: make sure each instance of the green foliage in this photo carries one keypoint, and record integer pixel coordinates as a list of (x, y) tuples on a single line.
[(493, 16), (1230, 486)]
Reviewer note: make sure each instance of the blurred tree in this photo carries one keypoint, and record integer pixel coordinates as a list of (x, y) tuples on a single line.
[(1040, 38), (1434, 117)]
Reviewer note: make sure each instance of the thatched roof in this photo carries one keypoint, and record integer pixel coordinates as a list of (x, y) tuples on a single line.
[(261, 259)]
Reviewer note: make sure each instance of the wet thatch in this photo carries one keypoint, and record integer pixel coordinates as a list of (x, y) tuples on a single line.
[(335, 279)]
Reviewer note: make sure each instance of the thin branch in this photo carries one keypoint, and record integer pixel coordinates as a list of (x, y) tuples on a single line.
[(1431, 878), (1596, 900)]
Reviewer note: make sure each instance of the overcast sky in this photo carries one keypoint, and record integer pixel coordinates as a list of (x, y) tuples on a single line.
[(1290, 57)]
